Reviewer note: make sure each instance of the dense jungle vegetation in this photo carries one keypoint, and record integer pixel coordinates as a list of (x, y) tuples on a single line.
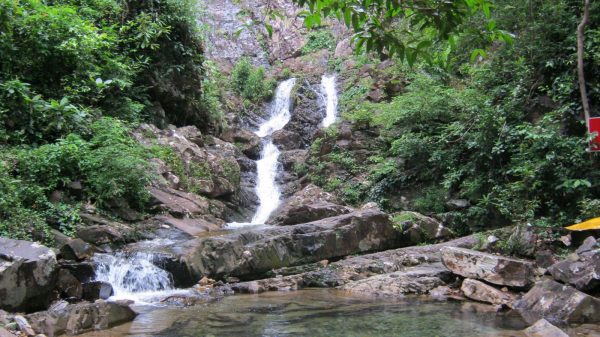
[(75, 77), (496, 122), (489, 109)]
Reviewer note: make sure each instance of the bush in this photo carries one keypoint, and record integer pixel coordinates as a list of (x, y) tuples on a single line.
[(111, 166), (250, 81), (318, 40)]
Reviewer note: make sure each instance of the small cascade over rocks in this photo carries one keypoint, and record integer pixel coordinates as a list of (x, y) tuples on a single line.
[(331, 100), (135, 276), (267, 167)]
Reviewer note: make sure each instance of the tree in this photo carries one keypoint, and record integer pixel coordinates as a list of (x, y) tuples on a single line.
[(580, 54), (402, 27)]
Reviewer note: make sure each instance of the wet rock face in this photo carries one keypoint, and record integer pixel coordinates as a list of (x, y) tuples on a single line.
[(77, 318), (249, 255), (28, 274), (491, 268), (309, 204), (306, 119), (558, 303)]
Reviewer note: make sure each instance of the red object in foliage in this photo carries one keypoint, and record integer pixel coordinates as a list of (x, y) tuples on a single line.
[(595, 127)]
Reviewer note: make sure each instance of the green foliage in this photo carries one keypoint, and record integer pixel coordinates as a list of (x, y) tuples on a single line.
[(404, 28), (250, 82), (318, 40), (505, 133), (64, 63), (111, 166), (74, 75)]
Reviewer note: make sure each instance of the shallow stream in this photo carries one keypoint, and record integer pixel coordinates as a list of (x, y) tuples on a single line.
[(320, 312)]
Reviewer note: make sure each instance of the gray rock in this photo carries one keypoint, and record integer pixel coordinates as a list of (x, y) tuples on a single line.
[(523, 241), (97, 290), (24, 326), (543, 328), (293, 158), (491, 268), (457, 204), (287, 140), (412, 280), (309, 204), (353, 268), (479, 291), (83, 271), (77, 318), (76, 249), (246, 141), (250, 254), (588, 244), (27, 275), (418, 228), (68, 285), (583, 272), (558, 303)]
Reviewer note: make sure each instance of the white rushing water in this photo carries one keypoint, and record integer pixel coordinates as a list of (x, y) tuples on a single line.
[(331, 99), (267, 167), (134, 276)]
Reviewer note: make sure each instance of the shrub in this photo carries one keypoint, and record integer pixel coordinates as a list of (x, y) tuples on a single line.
[(250, 82), (317, 40)]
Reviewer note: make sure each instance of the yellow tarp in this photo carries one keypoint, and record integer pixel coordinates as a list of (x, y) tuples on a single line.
[(586, 225)]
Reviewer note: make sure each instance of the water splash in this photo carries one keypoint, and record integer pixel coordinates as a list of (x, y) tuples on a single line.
[(331, 99), (134, 276)]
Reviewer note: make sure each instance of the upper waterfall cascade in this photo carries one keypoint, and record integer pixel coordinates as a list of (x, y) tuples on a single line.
[(331, 99), (267, 167)]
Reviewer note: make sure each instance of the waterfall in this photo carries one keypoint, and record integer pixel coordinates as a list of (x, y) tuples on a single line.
[(267, 167), (331, 99), (134, 276)]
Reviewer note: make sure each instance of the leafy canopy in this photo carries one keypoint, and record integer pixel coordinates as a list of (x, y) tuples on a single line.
[(405, 28)]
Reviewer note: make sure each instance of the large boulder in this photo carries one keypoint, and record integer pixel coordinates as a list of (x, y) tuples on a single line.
[(246, 141), (558, 303), (495, 269), (287, 140), (293, 160), (482, 292), (250, 254), (77, 318), (28, 273), (412, 280), (309, 204), (581, 270), (98, 230)]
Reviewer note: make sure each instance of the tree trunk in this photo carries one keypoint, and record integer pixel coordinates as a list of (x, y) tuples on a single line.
[(580, 54)]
